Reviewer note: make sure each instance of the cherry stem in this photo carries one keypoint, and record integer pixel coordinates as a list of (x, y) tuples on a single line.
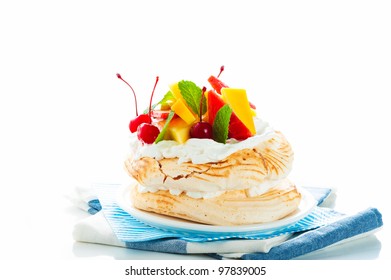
[(221, 71), (202, 97), (150, 101), (135, 99)]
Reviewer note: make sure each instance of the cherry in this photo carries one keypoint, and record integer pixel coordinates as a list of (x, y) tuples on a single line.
[(147, 133), (134, 123), (201, 129), (143, 118)]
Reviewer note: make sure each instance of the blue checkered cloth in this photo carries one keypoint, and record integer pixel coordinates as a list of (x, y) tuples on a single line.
[(321, 228)]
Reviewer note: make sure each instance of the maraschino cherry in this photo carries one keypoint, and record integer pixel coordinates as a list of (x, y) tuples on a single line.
[(139, 119), (201, 129), (147, 132)]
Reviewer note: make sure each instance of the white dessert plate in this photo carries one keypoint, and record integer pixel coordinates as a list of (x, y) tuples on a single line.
[(175, 224)]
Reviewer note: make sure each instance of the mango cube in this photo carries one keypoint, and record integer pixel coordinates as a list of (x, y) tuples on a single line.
[(176, 91), (237, 99), (179, 130), (183, 112)]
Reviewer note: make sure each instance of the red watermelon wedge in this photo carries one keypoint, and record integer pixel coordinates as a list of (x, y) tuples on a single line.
[(236, 128)]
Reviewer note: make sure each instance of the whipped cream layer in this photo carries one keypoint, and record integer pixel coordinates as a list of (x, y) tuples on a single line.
[(251, 192), (199, 151)]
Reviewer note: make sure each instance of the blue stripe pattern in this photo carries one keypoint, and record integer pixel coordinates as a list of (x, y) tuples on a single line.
[(130, 230), (347, 227)]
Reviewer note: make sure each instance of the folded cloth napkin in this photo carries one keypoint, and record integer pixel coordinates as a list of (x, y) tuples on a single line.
[(321, 228)]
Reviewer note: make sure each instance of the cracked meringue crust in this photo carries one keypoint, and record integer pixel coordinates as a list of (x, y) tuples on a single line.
[(270, 160)]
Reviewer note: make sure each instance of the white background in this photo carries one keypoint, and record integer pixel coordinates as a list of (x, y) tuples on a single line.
[(319, 71)]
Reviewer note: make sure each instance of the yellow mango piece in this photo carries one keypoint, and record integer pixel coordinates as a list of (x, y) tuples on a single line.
[(179, 130), (225, 99), (176, 91), (183, 112), (237, 99), (180, 107)]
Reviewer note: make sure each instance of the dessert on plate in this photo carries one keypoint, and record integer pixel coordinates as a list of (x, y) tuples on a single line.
[(204, 155)]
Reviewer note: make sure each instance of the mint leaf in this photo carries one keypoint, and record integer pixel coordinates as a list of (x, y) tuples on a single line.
[(191, 93), (160, 137), (167, 97), (221, 123)]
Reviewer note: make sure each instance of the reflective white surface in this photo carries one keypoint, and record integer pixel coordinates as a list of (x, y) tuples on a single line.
[(320, 73)]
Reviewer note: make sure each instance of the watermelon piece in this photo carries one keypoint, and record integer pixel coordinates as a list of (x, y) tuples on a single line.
[(217, 85), (215, 102), (236, 128)]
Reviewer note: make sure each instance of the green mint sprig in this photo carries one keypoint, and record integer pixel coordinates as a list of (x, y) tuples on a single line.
[(221, 123), (191, 93), (167, 97)]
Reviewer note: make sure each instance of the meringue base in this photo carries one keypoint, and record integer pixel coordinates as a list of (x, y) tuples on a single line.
[(231, 208)]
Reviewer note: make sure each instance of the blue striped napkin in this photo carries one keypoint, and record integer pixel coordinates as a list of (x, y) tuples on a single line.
[(320, 228)]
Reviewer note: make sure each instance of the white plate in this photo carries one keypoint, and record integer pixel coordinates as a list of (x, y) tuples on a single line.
[(170, 223)]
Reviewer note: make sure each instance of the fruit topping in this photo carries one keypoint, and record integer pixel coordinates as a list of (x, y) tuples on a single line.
[(187, 111), (134, 123), (218, 85), (237, 99), (221, 124), (163, 124), (180, 108), (236, 128), (139, 119), (147, 133), (178, 130), (201, 129), (160, 114), (215, 102)]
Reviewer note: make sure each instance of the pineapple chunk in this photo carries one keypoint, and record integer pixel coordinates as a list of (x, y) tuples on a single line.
[(179, 130), (183, 112), (237, 99)]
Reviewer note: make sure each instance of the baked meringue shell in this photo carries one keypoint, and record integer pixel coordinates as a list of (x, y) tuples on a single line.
[(231, 208), (270, 160)]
